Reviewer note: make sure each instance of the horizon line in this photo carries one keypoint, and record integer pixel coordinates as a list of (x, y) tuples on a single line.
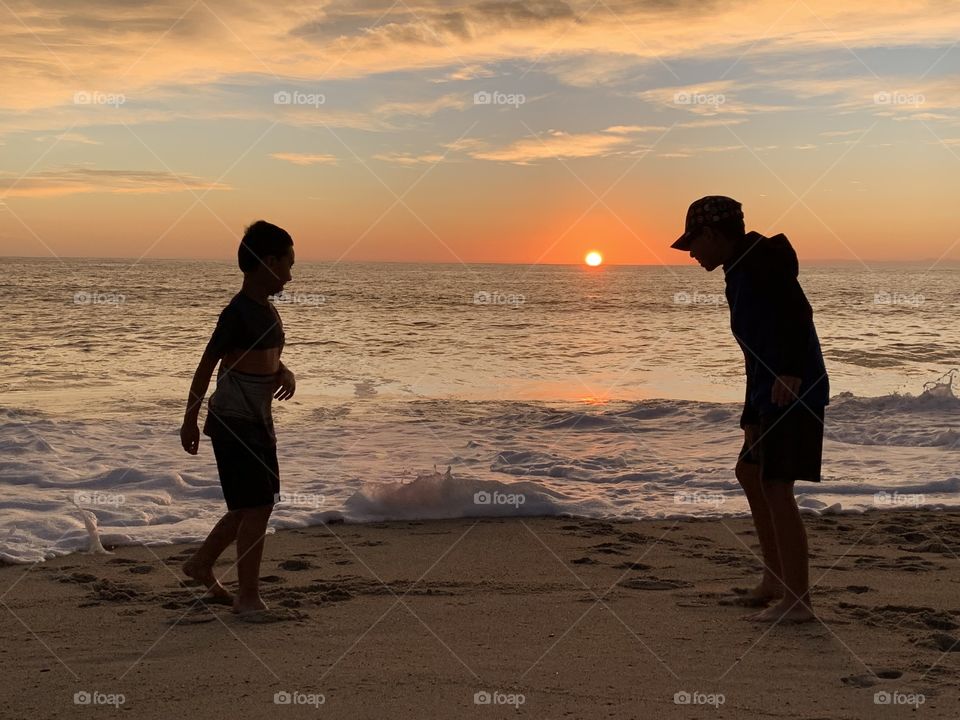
[(331, 261)]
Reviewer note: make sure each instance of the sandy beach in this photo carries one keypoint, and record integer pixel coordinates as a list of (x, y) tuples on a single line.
[(551, 618)]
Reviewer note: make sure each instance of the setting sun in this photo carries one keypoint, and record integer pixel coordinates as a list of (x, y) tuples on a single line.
[(593, 258)]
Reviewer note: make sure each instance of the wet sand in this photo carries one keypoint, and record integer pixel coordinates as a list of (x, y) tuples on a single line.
[(555, 617)]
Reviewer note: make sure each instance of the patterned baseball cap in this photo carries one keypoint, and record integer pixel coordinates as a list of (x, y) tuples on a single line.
[(705, 212)]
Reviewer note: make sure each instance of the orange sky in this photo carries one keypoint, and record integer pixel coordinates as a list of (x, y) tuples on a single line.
[(486, 132)]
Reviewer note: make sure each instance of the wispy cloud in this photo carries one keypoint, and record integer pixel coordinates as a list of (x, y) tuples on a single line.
[(554, 144), (305, 158), (73, 180), (409, 158), (73, 137)]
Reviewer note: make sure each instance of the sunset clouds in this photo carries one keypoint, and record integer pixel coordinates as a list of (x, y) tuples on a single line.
[(253, 99)]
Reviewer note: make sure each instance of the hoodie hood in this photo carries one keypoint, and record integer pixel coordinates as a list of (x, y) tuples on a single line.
[(769, 254)]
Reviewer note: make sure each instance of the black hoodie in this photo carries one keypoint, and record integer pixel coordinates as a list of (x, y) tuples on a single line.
[(773, 324)]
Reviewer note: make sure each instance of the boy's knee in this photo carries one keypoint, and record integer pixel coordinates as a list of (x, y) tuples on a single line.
[(778, 490), (262, 511)]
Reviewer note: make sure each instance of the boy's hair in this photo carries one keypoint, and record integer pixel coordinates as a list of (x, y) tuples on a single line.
[(260, 240)]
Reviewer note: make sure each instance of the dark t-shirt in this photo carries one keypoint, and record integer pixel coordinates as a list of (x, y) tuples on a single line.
[(240, 406), (245, 324)]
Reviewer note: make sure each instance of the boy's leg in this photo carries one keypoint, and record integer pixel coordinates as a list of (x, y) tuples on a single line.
[(250, 538), (771, 585), (794, 555), (200, 565)]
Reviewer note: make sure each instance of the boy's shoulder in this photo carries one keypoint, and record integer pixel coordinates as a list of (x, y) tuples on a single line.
[(767, 259)]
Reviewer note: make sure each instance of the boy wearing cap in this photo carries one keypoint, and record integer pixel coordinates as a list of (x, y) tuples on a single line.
[(787, 391)]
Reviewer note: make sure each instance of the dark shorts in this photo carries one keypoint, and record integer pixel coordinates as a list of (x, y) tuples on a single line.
[(789, 446), (249, 473)]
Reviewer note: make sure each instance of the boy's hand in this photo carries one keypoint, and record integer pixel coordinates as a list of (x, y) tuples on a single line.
[(785, 390), (190, 437), (286, 384)]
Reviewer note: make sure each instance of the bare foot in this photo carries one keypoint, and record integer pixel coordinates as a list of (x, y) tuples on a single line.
[(203, 574), (760, 596), (247, 606), (791, 612)]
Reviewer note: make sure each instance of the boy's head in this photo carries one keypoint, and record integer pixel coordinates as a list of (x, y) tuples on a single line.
[(714, 227), (266, 254)]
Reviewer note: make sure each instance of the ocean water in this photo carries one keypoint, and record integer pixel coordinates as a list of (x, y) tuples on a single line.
[(612, 391)]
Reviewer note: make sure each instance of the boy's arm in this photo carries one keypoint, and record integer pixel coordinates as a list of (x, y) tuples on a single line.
[(749, 416), (190, 431), (286, 383), (792, 317)]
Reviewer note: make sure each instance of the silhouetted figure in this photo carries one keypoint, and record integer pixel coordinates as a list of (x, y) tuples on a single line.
[(247, 343), (787, 390)]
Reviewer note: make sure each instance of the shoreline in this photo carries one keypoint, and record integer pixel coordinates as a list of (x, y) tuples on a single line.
[(580, 617), (337, 519)]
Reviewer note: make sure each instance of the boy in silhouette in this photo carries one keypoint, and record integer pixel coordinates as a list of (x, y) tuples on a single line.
[(247, 344), (787, 390)]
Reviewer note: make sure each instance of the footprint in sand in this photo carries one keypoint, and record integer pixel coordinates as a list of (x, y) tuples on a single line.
[(865, 681), (192, 619), (653, 584), (273, 615), (639, 566), (295, 565), (944, 642)]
